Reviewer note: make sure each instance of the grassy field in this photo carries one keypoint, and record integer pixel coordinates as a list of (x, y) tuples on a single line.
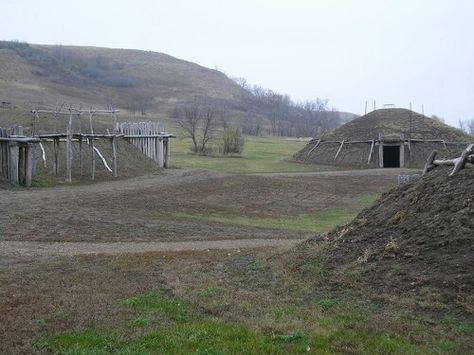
[(260, 155), (245, 304), (316, 222)]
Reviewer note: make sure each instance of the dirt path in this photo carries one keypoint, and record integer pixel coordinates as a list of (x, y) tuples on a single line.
[(13, 251), (356, 172)]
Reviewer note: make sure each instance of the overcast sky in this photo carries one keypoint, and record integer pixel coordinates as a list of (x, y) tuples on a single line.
[(348, 51)]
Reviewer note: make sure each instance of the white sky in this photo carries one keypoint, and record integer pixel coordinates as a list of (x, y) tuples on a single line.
[(349, 51)]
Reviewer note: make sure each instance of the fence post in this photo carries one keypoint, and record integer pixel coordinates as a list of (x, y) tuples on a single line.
[(13, 162)]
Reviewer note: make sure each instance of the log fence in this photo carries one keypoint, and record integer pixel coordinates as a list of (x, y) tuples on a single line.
[(149, 138), (466, 160)]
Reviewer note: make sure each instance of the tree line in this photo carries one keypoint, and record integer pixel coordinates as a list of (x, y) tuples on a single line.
[(286, 117)]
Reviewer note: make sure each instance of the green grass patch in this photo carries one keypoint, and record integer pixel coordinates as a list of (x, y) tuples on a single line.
[(343, 330), (326, 304), (209, 292), (260, 155), (154, 303), (318, 222), (368, 199)]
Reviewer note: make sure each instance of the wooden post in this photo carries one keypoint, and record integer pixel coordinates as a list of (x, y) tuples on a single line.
[(13, 163), (381, 150), (69, 148), (114, 154), (161, 162), (91, 145), (402, 151), (167, 153), (91, 127), (29, 164), (21, 163), (56, 156), (410, 158), (80, 156)]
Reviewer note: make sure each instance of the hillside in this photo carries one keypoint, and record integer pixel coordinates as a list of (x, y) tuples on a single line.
[(144, 83), (131, 79)]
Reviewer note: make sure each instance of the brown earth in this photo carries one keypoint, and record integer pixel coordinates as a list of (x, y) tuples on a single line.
[(415, 244), (144, 208)]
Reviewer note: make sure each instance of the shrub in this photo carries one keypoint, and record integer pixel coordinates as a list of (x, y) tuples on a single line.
[(232, 141)]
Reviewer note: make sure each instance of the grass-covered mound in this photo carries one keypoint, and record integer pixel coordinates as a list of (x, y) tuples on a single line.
[(414, 247)]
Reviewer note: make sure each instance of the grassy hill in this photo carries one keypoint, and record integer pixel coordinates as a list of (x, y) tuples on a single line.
[(131, 79), (140, 83)]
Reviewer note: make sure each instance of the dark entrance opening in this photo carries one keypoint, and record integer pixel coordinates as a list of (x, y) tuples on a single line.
[(391, 156)]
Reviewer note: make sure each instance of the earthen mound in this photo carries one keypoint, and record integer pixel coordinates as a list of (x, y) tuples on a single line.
[(415, 243)]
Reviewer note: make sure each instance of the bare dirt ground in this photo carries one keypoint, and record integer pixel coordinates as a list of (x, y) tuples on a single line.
[(143, 209)]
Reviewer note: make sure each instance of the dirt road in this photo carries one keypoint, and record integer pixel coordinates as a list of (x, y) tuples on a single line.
[(12, 251)]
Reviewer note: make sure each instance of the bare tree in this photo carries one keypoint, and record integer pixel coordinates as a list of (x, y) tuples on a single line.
[(199, 121), (208, 116), (467, 126)]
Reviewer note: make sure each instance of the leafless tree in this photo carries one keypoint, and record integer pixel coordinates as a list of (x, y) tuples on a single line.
[(467, 126), (198, 120)]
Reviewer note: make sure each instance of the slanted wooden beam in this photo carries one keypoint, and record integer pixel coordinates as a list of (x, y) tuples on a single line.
[(315, 146), (429, 162), (462, 159), (371, 151), (339, 150)]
